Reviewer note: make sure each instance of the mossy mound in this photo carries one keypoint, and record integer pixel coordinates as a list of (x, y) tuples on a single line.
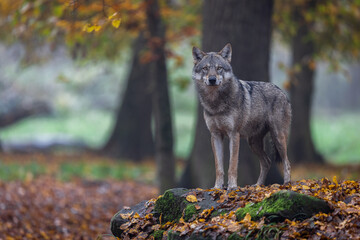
[(174, 205), (171, 205), (284, 205), (214, 213)]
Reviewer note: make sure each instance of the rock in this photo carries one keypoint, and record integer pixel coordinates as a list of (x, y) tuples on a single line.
[(188, 204), (284, 205), (173, 204), (171, 207), (119, 218), (172, 235)]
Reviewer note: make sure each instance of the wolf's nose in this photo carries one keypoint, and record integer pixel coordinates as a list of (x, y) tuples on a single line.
[(212, 80)]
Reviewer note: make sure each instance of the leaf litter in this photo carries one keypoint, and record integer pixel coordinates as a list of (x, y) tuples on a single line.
[(46, 208), (342, 223)]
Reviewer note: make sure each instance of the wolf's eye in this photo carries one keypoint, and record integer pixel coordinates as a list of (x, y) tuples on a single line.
[(219, 68), (205, 68)]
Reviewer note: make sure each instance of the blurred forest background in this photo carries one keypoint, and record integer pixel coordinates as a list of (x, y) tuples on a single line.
[(98, 92)]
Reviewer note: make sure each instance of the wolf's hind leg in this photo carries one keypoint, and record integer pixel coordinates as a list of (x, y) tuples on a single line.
[(280, 140), (257, 146), (218, 149)]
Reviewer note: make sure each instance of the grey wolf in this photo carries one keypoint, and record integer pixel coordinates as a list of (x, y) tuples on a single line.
[(235, 108)]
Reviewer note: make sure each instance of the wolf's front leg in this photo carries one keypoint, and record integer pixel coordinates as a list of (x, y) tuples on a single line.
[(218, 149), (234, 157)]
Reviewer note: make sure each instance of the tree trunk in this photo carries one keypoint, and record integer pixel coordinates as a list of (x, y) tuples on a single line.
[(161, 104), (131, 137), (247, 25), (301, 147), (352, 102)]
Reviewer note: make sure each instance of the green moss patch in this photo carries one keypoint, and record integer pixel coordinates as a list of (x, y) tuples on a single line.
[(189, 212), (168, 207), (284, 205), (158, 234)]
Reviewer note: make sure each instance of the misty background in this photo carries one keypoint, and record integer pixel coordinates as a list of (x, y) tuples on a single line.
[(81, 98)]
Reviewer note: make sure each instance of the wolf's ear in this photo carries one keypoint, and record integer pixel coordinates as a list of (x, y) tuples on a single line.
[(226, 52), (197, 54)]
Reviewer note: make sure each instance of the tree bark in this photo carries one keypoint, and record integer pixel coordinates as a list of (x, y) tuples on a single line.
[(352, 101), (131, 137), (247, 25), (161, 104), (301, 147)]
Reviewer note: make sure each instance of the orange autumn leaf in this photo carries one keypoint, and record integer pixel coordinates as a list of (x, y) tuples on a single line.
[(191, 198), (247, 218)]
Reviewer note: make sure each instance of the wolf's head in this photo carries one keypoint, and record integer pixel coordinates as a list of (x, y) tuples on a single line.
[(212, 68)]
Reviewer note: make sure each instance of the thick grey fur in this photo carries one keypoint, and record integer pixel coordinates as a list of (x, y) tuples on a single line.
[(237, 108)]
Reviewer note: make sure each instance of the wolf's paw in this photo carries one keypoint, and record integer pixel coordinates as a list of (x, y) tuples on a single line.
[(287, 183), (219, 186), (256, 184), (232, 188)]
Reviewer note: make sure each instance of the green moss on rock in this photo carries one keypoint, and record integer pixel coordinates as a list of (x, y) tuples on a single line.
[(189, 212), (282, 205), (158, 234), (168, 206)]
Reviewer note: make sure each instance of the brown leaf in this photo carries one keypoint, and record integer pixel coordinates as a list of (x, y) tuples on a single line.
[(126, 215)]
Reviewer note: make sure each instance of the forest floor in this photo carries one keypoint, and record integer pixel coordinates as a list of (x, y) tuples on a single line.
[(74, 197), (66, 197)]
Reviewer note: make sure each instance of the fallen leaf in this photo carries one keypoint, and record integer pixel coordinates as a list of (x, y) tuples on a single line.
[(191, 198), (126, 215), (247, 217)]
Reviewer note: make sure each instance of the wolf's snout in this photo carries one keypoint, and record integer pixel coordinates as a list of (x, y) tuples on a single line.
[(212, 80)]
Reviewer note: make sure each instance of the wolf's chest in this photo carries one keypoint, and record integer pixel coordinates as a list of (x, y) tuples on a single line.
[(223, 124), (232, 122)]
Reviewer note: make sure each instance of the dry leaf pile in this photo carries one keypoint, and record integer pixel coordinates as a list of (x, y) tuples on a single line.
[(342, 223), (45, 208)]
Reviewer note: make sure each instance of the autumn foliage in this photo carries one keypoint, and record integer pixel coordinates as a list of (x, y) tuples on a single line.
[(48, 205), (92, 28), (46, 208), (342, 223)]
